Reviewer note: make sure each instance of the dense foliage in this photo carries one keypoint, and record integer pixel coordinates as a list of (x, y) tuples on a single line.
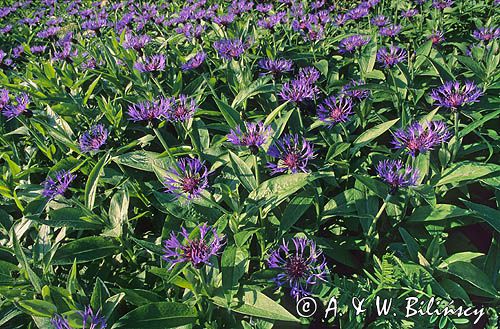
[(207, 164)]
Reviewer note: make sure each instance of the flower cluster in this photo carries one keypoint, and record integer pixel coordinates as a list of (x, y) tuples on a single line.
[(187, 178), (454, 95), (195, 250), (58, 185), (255, 136), (293, 154), (300, 268), (418, 138)]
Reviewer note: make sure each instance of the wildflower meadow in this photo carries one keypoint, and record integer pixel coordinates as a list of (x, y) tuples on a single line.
[(249, 164)]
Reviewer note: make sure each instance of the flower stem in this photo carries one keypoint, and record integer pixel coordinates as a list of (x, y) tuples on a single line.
[(163, 142), (456, 146), (256, 167), (373, 225)]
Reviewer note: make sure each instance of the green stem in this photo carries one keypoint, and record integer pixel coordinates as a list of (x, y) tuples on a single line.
[(163, 142), (256, 167), (456, 146), (373, 225)]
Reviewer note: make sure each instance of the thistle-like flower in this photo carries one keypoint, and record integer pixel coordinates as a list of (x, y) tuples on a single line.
[(417, 138), (58, 185), (93, 139), (442, 4), (436, 37), (391, 55), (293, 154), (453, 95), (255, 136), (380, 21), (390, 30), (181, 109), (153, 63), (149, 110), (4, 98), (194, 250), (309, 74), (136, 42), (230, 48), (300, 268), (358, 94), (275, 66), (394, 173), (409, 13), (298, 90), (352, 43), (194, 62), (188, 178), (90, 320), (21, 107), (486, 33), (335, 109)]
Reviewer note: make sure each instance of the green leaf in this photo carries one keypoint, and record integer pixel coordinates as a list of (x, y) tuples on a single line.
[(142, 160), (255, 303), (474, 276), (85, 249), (90, 90), (99, 295), (376, 186), (273, 191), (158, 316), (439, 212), (274, 113), (93, 180), (467, 170), (118, 213), (372, 133), (37, 307), (478, 123), (259, 86), (243, 172), (231, 115), (233, 263), (295, 209), (490, 215)]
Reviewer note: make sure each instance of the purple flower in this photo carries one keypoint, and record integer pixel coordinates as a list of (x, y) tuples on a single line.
[(194, 62), (264, 7), (93, 139), (67, 53), (191, 31), (37, 49), (4, 98), (486, 33), (230, 48), (341, 19), (224, 19), (95, 24), (380, 21), (153, 63), (409, 13), (358, 12), (300, 268), (256, 135), (394, 173), (298, 90), (453, 95), (53, 187), (275, 66), (136, 42), (359, 94), (436, 37), (335, 109), (90, 320), (149, 111), (391, 55), (194, 250), (49, 32), (21, 107), (2, 55), (6, 29), (390, 30), (17, 51), (419, 139), (189, 178), (442, 4), (352, 43), (181, 109), (309, 75), (293, 154)]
